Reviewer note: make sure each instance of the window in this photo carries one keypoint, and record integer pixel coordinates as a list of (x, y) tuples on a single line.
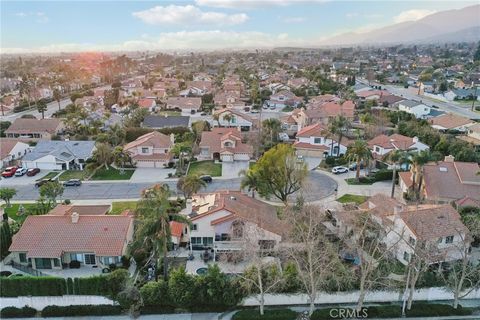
[(449, 239), (56, 262), (317, 140), (22, 257), (406, 256), (196, 240), (89, 258), (440, 240), (144, 150), (377, 149), (194, 227), (76, 257), (207, 241)]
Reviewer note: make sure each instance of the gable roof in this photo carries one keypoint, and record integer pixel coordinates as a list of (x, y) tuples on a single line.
[(6, 146), (49, 236), (314, 130), (63, 150), (153, 139), (395, 141), (25, 125), (213, 139), (184, 102), (449, 121)]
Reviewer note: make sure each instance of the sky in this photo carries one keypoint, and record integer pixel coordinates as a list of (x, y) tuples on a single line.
[(65, 26)]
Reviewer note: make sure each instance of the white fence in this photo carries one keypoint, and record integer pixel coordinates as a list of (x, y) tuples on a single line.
[(428, 294), (41, 302)]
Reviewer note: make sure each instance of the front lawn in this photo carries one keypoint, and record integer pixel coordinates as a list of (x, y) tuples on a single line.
[(362, 181), (12, 211), (205, 168), (49, 175), (347, 198), (73, 174), (112, 174), (119, 206)]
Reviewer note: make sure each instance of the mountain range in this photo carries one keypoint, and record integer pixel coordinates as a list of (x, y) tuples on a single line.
[(445, 26)]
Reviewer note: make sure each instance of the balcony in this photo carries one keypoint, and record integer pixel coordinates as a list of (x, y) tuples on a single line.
[(232, 245)]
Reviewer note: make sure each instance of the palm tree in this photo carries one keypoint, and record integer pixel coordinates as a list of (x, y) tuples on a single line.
[(358, 152), (228, 118), (116, 134), (190, 185), (179, 150), (272, 128), (153, 217), (340, 124), (103, 154), (398, 158), (57, 96), (418, 159), (42, 107), (249, 181)]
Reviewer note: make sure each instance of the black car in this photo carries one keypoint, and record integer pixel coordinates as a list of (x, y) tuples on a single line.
[(72, 183), (42, 182), (207, 179)]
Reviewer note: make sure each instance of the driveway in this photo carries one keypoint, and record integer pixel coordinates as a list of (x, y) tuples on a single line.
[(312, 162), (231, 170), (23, 180), (150, 174)]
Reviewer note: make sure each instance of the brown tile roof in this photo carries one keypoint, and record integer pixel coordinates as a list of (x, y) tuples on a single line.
[(146, 103), (62, 209), (6, 146), (152, 139), (304, 145), (406, 177), (184, 102), (449, 121), (395, 141), (314, 130), (451, 180), (238, 114), (382, 205), (23, 125), (434, 222), (49, 236), (467, 202), (247, 208)]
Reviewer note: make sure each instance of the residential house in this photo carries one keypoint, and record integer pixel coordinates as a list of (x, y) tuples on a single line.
[(382, 144), (147, 103), (34, 129), (160, 122), (187, 105), (473, 135), (462, 94), (192, 92), (228, 100), (241, 121), (12, 150), (446, 181), (224, 144), (59, 155), (282, 99), (52, 241), (324, 113), (228, 221), (418, 109), (152, 150), (450, 121), (312, 141)]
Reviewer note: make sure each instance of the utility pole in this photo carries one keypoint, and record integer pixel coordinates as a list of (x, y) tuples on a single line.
[(474, 97)]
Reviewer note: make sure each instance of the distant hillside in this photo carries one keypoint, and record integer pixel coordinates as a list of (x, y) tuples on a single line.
[(451, 25)]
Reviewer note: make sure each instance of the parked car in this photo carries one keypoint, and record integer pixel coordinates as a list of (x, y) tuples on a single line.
[(20, 172), (339, 169), (254, 111), (203, 114), (42, 182), (207, 179), (32, 172), (353, 166), (9, 172), (72, 183)]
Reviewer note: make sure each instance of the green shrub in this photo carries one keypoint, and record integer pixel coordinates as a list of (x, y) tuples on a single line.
[(81, 310), (383, 175), (12, 312), (253, 314), (32, 286), (384, 311), (437, 310)]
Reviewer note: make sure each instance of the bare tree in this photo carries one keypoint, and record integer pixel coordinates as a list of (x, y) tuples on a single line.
[(309, 248)]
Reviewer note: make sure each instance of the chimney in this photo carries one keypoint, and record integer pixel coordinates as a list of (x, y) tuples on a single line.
[(449, 158), (172, 138), (188, 208), (75, 217), (415, 139)]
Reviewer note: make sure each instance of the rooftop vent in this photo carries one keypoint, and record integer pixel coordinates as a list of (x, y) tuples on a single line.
[(443, 169), (75, 217), (233, 198)]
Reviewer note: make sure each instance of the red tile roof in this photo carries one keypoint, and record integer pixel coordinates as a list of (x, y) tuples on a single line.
[(49, 236), (176, 229), (314, 130)]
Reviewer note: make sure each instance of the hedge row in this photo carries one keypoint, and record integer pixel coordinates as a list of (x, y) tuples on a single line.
[(12, 312), (253, 314), (81, 310), (106, 285)]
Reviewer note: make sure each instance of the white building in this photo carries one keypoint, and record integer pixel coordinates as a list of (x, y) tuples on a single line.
[(418, 109)]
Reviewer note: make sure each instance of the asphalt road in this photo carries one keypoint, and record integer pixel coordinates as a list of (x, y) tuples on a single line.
[(462, 110), (51, 108), (317, 186)]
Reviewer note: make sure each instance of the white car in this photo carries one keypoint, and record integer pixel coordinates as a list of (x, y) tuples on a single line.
[(20, 172), (339, 169)]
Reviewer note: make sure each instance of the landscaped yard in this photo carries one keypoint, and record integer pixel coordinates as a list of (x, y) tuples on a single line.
[(112, 174), (363, 181), (205, 168), (49, 175), (12, 211), (169, 113), (347, 198), (73, 174), (120, 206)]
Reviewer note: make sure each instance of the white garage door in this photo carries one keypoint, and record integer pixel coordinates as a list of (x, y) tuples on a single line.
[(41, 165), (227, 157), (145, 164)]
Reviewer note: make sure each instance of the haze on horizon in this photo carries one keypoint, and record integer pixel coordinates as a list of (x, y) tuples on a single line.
[(44, 27)]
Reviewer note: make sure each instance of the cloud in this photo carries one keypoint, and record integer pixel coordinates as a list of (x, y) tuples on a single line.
[(187, 15), (39, 17), (241, 4), (352, 14), (293, 19), (182, 40), (412, 15)]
